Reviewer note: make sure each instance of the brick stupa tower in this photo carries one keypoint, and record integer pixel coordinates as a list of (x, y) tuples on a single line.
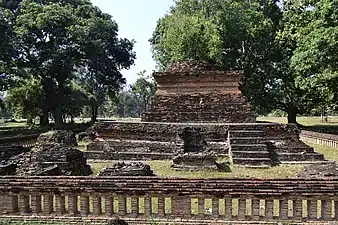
[(195, 91)]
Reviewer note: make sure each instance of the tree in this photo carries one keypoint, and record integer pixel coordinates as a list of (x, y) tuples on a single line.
[(314, 60), (186, 37), (25, 100), (126, 104), (7, 46), (56, 38), (253, 35), (144, 89)]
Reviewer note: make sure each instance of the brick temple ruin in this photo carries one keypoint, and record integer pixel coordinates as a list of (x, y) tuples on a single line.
[(196, 94)]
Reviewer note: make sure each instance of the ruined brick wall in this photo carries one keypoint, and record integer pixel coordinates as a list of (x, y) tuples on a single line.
[(199, 96), (183, 201), (149, 131)]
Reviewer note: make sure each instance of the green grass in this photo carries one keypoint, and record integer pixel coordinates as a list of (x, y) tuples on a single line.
[(163, 168), (82, 145), (329, 153), (97, 166), (309, 123), (304, 120)]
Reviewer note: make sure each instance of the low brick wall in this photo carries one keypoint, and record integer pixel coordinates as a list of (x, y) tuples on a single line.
[(183, 201), (30, 140), (329, 140), (100, 155), (24, 140)]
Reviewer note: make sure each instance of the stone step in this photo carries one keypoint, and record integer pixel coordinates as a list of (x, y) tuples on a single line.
[(318, 162), (300, 157), (290, 149), (247, 140), (252, 161), (246, 133), (248, 147), (250, 154)]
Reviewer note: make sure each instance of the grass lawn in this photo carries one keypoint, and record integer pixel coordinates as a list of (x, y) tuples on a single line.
[(329, 153), (304, 120), (163, 168), (82, 145), (309, 123)]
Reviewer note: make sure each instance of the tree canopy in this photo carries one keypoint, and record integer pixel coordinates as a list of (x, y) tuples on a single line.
[(57, 39), (275, 46)]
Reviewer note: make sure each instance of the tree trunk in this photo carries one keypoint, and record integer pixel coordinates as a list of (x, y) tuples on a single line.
[(58, 116), (292, 114), (94, 112), (44, 121)]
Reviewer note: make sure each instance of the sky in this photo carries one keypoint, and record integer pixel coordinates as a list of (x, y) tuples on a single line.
[(136, 20)]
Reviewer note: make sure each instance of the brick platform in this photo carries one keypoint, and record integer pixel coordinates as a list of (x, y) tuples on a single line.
[(252, 144)]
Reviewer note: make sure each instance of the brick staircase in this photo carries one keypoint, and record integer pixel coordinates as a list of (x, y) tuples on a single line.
[(247, 147)]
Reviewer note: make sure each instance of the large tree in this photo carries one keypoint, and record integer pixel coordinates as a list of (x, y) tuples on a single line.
[(58, 37), (144, 89), (249, 35), (315, 57)]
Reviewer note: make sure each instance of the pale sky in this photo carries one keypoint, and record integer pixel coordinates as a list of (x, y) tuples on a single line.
[(136, 20)]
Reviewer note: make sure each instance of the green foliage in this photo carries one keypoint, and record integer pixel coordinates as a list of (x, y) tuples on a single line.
[(289, 56), (186, 37), (25, 99), (144, 89), (126, 104), (56, 40)]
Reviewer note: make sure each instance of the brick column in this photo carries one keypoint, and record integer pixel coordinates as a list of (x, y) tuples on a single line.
[(97, 204), (283, 209), (181, 206), (201, 207), (255, 207), (269, 209), (161, 207), (36, 203), (84, 205), (72, 204), (13, 203), (312, 209), (241, 209), (109, 205), (122, 205), (326, 209), (135, 206), (3, 205), (24, 204), (215, 207), (228, 208), (47, 203), (60, 204), (297, 209), (336, 210), (147, 206)]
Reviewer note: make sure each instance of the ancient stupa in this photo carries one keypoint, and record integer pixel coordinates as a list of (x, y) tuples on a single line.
[(196, 94), (196, 91)]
